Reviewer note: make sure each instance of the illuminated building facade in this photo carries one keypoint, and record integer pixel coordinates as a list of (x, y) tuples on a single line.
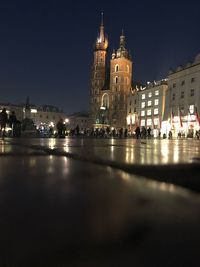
[(146, 106), (182, 111), (41, 115), (111, 86)]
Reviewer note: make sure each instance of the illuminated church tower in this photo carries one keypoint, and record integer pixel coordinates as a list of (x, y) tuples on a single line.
[(120, 84), (98, 78), (110, 89)]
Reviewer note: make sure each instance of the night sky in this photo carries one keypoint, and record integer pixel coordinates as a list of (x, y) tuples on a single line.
[(46, 46)]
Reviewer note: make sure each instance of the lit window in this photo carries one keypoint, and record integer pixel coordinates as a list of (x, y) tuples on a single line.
[(149, 112), (116, 68), (182, 94), (150, 94), (143, 105), (157, 92), (142, 122), (149, 103), (143, 96), (156, 102), (156, 121), (149, 121), (192, 92), (191, 109), (143, 113), (155, 111)]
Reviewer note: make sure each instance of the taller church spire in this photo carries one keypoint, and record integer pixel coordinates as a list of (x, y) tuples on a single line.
[(102, 40)]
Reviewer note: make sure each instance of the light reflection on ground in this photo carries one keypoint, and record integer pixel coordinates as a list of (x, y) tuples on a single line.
[(130, 150)]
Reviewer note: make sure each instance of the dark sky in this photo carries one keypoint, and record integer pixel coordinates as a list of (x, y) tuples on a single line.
[(46, 46)]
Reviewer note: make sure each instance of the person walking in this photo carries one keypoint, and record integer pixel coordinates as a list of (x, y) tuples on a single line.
[(3, 121)]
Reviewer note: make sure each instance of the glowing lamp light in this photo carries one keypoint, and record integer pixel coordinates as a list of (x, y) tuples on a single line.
[(33, 110), (103, 108)]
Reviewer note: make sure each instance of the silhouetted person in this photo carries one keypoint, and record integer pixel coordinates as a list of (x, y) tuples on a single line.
[(149, 132), (3, 121), (170, 135), (15, 125), (77, 130), (126, 133), (61, 128), (12, 119), (137, 132)]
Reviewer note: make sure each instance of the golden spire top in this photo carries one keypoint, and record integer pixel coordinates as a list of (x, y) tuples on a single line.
[(102, 40), (101, 19)]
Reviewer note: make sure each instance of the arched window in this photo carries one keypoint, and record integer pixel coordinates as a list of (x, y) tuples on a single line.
[(116, 68), (105, 101), (116, 79), (127, 68)]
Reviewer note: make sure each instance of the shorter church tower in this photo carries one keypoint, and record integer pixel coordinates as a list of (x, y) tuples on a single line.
[(120, 84)]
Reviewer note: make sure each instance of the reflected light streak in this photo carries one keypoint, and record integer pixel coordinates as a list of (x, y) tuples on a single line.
[(52, 143), (176, 155), (32, 162), (66, 149), (165, 153)]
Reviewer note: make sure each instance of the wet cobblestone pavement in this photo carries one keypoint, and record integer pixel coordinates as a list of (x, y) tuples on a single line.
[(91, 202)]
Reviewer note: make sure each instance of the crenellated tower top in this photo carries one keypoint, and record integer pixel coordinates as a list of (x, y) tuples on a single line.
[(122, 51)]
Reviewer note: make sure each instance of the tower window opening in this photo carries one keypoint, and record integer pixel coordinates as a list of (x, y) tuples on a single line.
[(116, 68)]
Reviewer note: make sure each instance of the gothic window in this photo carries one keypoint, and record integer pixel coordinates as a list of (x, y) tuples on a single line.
[(105, 101), (127, 68), (116, 79), (116, 68), (182, 94)]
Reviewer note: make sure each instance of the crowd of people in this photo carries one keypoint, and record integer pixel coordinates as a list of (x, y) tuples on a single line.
[(62, 131), (11, 121)]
